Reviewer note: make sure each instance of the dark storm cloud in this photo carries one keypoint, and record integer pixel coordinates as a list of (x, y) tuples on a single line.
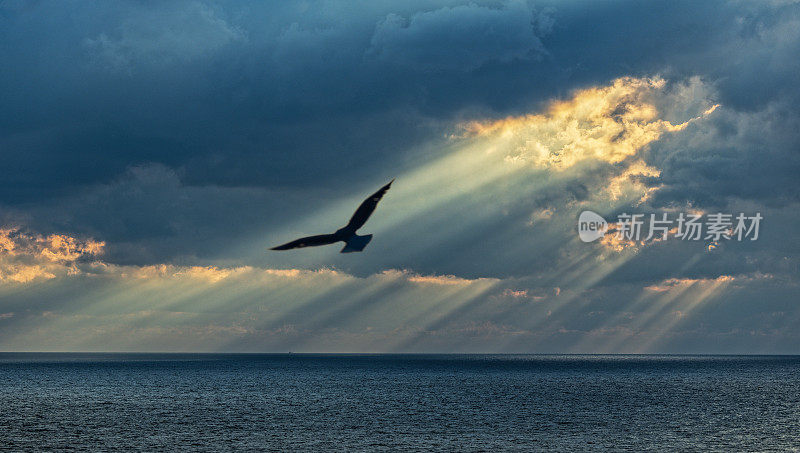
[(239, 95), (282, 97), (462, 38), (737, 155)]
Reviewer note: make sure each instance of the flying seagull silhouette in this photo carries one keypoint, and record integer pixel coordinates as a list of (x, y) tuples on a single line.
[(352, 241)]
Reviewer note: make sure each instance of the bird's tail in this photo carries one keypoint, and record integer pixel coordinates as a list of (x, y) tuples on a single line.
[(356, 243)]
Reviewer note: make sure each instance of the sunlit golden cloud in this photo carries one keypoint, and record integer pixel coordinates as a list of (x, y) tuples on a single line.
[(609, 123), (628, 184), (447, 280), (673, 283), (26, 257)]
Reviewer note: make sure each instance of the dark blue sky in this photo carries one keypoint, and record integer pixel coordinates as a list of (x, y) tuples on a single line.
[(194, 135)]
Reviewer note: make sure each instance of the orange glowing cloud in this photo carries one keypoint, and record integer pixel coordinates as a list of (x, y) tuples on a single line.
[(442, 280), (59, 247), (28, 257), (609, 123), (672, 283)]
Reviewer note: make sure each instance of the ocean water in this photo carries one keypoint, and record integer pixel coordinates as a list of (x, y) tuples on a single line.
[(290, 402)]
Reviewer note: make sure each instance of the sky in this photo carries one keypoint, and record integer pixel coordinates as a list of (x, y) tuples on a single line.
[(152, 152)]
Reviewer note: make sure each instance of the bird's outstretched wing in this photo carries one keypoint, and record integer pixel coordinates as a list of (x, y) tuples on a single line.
[(310, 241), (367, 206)]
